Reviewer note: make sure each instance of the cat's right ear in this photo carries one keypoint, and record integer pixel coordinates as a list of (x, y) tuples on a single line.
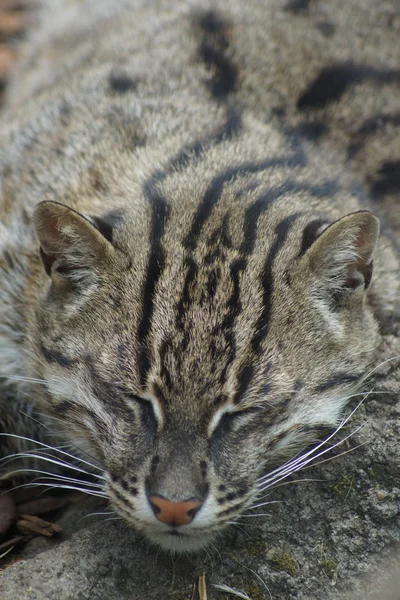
[(341, 257), (72, 247)]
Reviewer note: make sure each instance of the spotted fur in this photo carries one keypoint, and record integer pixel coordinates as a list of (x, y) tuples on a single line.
[(187, 243)]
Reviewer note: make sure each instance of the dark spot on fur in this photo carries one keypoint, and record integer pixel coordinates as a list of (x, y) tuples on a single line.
[(312, 130), (278, 111), (369, 127), (214, 51), (326, 28), (154, 464), (230, 510), (333, 81), (97, 181), (121, 84), (128, 487), (65, 113), (387, 179), (297, 6)]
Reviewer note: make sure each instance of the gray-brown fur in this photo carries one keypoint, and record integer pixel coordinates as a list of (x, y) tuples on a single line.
[(208, 158)]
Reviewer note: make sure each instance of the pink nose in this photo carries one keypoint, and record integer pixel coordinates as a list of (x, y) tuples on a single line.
[(174, 513)]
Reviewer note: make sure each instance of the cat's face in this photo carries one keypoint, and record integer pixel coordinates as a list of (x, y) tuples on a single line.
[(190, 366)]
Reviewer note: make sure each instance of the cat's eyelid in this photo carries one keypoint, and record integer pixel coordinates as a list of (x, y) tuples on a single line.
[(152, 400), (228, 409)]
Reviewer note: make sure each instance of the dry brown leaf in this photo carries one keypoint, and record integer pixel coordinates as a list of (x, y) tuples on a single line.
[(13, 4), (28, 524), (11, 23), (7, 59)]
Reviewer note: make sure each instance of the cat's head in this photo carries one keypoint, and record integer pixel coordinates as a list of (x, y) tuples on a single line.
[(192, 359)]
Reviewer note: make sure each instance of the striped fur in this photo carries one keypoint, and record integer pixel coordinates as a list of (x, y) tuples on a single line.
[(194, 300)]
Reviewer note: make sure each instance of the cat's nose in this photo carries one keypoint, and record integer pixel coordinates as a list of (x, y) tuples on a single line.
[(174, 513)]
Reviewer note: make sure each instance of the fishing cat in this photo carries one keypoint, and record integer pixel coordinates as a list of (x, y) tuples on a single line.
[(187, 248)]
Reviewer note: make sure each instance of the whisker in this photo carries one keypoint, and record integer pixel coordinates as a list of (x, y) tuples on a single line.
[(69, 444), (265, 504), (56, 477), (368, 375), (60, 463), (258, 515), (64, 487), (290, 465), (270, 483), (21, 437), (100, 514), (300, 480), (22, 378), (321, 462)]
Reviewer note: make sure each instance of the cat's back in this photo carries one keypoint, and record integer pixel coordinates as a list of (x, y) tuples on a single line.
[(146, 79)]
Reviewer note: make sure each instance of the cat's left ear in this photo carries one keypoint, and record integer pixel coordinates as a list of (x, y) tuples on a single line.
[(341, 256), (72, 246)]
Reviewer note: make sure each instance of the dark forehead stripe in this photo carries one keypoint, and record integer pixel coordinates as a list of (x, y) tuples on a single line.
[(214, 190), (191, 152), (234, 308), (262, 326), (155, 265), (160, 212), (255, 210), (267, 280)]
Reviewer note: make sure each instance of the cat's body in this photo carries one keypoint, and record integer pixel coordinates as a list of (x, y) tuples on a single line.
[(200, 326)]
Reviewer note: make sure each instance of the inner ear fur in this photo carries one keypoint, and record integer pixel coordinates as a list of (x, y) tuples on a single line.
[(342, 254), (70, 244)]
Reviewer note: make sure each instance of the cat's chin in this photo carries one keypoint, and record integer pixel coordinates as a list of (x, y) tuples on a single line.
[(177, 543)]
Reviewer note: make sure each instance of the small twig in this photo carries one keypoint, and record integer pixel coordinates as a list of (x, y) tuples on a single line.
[(202, 587), (28, 524)]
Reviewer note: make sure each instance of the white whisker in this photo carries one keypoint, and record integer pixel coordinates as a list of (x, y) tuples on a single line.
[(293, 465), (65, 487), (52, 448), (28, 379), (59, 463), (56, 477), (266, 503), (270, 482)]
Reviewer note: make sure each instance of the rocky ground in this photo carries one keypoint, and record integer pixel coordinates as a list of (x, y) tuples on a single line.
[(332, 533)]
